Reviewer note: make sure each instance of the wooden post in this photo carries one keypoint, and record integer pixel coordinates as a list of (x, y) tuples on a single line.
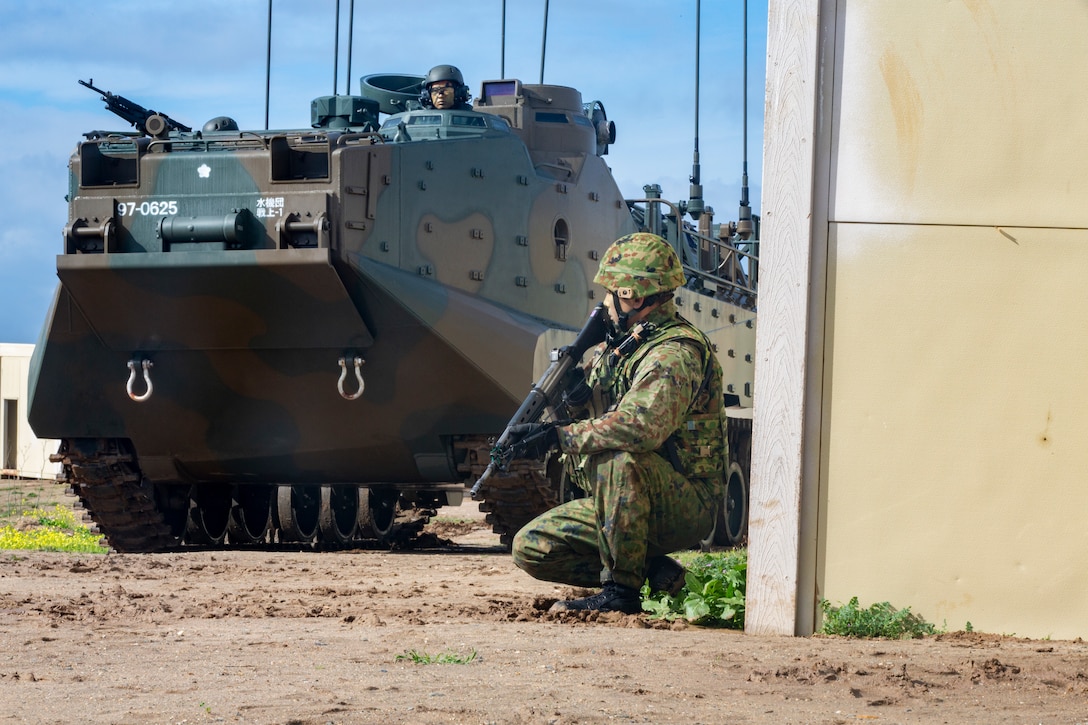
[(790, 231)]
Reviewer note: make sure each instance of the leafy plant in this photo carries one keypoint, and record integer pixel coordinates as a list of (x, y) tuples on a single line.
[(53, 529), (879, 620), (713, 593), (444, 658)]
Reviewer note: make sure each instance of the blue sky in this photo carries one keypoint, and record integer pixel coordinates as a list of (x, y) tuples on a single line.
[(199, 59)]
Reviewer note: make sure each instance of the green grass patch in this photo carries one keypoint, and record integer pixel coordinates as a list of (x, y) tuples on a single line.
[(456, 520), (879, 620), (713, 593), (443, 658), (50, 529), (15, 504)]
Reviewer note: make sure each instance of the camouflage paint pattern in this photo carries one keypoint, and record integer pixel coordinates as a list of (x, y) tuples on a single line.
[(637, 504), (448, 251), (640, 507), (244, 265)]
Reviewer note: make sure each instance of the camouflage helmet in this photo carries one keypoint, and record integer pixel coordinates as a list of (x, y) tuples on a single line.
[(639, 265)]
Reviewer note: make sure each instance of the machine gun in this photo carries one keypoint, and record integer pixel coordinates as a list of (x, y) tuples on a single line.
[(142, 119), (545, 391)]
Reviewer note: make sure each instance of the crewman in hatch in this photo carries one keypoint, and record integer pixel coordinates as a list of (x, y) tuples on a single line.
[(445, 89)]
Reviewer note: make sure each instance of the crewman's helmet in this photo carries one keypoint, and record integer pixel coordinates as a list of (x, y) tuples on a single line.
[(640, 265), (445, 73)]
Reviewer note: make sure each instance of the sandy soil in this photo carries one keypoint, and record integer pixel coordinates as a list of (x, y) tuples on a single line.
[(303, 637)]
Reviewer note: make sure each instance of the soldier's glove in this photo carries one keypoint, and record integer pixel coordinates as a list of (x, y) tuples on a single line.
[(576, 390), (532, 440)]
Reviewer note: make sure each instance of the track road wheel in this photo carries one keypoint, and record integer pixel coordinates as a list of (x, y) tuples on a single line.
[(251, 514), (173, 501), (711, 537), (339, 513), (377, 514), (732, 527), (297, 509), (209, 513)]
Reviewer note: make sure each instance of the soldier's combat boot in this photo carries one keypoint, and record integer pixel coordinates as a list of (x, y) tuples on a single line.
[(665, 574), (612, 598)]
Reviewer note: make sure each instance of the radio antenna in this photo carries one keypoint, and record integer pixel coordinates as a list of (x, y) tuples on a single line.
[(744, 214), (544, 42), (351, 34), (336, 48), (268, 66), (695, 202)]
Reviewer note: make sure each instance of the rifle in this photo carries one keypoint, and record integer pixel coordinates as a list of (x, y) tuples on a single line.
[(545, 391), (142, 119)]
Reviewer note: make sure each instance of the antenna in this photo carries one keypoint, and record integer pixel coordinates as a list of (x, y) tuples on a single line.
[(744, 214), (336, 48), (268, 66), (502, 52), (544, 42), (351, 34), (695, 203)]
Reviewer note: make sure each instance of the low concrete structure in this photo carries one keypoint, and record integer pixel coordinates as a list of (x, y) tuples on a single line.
[(22, 455)]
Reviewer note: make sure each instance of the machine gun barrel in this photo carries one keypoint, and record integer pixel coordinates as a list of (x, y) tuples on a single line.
[(544, 392), (142, 119)]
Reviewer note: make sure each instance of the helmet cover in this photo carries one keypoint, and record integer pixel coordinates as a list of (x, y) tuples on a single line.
[(639, 265)]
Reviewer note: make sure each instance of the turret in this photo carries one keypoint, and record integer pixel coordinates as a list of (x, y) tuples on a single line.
[(344, 112)]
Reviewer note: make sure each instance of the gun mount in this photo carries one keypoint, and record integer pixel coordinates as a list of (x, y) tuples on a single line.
[(146, 121)]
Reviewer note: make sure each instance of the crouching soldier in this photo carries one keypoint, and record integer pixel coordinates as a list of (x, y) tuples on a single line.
[(649, 453)]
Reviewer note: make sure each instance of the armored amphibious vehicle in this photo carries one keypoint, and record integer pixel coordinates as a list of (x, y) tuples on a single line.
[(312, 336)]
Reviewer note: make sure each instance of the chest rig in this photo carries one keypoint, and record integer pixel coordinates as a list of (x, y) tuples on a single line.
[(698, 447)]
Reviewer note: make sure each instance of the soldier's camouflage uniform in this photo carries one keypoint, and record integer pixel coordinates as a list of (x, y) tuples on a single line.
[(654, 411)]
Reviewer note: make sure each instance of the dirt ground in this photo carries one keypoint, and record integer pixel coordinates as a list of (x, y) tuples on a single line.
[(303, 637)]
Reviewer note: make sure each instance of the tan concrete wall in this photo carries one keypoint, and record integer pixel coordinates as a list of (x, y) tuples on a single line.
[(31, 454), (952, 463)]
